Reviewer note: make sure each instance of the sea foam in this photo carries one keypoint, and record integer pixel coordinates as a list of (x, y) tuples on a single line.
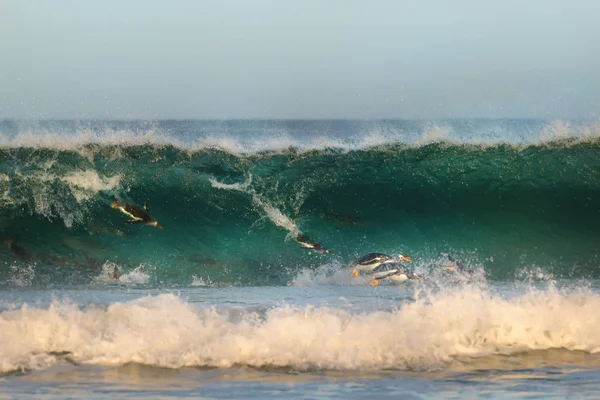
[(427, 334), (366, 135)]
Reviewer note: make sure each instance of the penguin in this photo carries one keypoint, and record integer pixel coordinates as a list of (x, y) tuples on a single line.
[(137, 215), (457, 266), (116, 274), (309, 244), (393, 271), (18, 250), (370, 261)]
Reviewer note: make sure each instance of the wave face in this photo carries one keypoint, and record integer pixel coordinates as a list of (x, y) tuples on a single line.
[(506, 196)]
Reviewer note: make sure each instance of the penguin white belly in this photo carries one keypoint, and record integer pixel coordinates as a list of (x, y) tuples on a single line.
[(124, 211), (369, 267), (399, 277)]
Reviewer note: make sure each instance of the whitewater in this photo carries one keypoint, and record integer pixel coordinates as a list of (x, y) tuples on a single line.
[(226, 296)]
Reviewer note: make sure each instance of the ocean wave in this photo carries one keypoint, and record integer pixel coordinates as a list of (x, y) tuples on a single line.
[(427, 334), (517, 207)]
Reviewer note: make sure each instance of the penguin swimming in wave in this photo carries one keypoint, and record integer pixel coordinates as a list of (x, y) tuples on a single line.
[(458, 267), (116, 274), (309, 244), (393, 271), (370, 261), (137, 215), (18, 250)]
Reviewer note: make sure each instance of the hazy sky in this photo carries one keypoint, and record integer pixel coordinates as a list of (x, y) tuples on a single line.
[(299, 59)]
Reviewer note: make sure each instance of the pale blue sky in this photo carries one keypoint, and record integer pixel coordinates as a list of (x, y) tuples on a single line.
[(299, 59)]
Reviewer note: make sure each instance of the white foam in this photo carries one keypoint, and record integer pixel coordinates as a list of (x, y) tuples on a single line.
[(336, 273), (329, 274), (274, 214), (558, 130), (240, 187), (589, 132), (5, 198), (436, 134), (85, 184), (379, 135), (21, 276), (534, 273), (138, 276), (47, 139), (166, 331), (201, 281)]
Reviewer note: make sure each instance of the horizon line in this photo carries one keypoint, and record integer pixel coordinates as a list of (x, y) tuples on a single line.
[(75, 119)]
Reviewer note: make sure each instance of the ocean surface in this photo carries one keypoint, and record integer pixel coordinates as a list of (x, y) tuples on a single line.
[(225, 302)]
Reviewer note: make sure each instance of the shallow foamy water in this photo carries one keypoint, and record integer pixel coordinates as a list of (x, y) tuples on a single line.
[(316, 340)]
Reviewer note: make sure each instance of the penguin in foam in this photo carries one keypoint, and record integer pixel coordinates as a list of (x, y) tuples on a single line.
[(137, 215), (116, 274), (370, 261), (394, 271), (457, 266)]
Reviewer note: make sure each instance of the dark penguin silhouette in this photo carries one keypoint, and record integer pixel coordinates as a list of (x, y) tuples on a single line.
[(457, 266), (137, 215), (116, 274), (309, 244), (17, 250)]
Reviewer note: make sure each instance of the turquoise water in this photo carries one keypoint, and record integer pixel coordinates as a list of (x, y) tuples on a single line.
[(223, 302)]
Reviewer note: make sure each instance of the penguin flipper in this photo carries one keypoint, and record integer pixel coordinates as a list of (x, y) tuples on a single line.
[(146, 206)]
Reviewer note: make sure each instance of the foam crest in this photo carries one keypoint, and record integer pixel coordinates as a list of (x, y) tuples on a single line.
[(85, 184), (79, 140), (47, 139), (590, 132), (238, 146), (488, 133), (435, 134), (376, 137), (427, 334), (558, 130)]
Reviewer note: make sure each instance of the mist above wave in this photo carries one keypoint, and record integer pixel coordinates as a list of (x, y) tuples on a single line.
[(252, 137)]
